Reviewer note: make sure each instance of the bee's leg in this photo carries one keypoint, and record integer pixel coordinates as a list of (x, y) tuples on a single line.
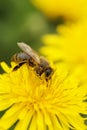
[(18, 66), (38, 70)]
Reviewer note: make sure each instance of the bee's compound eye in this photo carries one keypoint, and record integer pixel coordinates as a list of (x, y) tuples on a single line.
[(48, 72)]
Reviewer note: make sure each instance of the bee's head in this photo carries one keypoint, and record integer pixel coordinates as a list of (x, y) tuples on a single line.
[(48, 73)]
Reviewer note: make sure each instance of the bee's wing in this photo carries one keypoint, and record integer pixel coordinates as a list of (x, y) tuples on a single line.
[(29, 51)]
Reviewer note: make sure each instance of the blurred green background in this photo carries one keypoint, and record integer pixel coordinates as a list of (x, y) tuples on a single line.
[(20, 21)]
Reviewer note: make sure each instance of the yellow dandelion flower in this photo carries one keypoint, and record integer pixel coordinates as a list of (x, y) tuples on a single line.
[(71, 10), (69, 45), (32, 103)]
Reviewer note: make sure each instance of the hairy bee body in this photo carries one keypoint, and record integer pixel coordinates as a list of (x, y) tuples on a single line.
[(29, 56)]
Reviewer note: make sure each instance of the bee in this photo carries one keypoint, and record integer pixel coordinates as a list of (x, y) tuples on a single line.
[(29, 56)]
